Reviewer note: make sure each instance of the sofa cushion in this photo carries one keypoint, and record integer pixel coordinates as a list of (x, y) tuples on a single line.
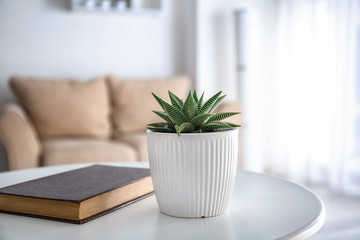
[(61, 108), (66, 151), (133, 102), (139, 142)]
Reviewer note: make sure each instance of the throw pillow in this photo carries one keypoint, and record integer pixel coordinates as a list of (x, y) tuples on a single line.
[(133, 102), (63, 108)]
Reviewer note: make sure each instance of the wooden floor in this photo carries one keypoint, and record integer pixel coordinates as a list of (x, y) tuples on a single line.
[(342, 216)]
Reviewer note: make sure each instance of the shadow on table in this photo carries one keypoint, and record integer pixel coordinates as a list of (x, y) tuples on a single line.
[(219, 227)]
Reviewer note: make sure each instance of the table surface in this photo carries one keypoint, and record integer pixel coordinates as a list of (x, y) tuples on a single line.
[(262, 207)]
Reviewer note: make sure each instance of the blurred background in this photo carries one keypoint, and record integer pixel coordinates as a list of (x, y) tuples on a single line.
[(294, 66)]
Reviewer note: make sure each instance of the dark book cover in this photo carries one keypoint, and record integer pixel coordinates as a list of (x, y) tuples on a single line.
[(77, 186)]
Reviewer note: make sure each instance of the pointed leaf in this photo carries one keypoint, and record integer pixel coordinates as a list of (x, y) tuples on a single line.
[(158, 124), (221, 124), (175, 101), (200, 102), (233, 124), (185, 127), (177, 130), (195, 96), (163, 115), (215, 125), (209, 103), (159, 100), (181, 103), (159, 129), (214, 106), (190, 107), (221, 129), (200, 119), (175, 114), (171, 126), (221, 116)]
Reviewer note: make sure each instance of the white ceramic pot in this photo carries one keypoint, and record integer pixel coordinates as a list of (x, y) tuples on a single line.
[(194, 174)]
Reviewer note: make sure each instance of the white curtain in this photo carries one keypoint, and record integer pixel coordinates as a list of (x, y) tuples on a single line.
[(308, 107)]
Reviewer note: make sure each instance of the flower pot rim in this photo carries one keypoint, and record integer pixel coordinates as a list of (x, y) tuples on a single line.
[(192, 134)]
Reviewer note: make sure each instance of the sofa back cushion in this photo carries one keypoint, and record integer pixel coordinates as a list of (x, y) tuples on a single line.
[(62, 108), (133, 102)]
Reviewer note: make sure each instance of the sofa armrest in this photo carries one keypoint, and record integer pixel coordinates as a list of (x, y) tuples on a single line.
[(230, 107), (19, 138)]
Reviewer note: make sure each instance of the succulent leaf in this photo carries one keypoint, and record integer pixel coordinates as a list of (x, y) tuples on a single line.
[(209, 103), (180, 101), (221, 129), (216, 104), (190, 107), (191, 116), (215, 125), (171, 126), (200, 102), (158, 124), (221, 116), (163, 115), (233, 124), (185, 127), (160, 101), (195, 96), (175, 101), (200, 119), (161, 129), (175, 114)]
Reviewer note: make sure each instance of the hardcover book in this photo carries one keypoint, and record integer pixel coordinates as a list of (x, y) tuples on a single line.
[(79, 195)]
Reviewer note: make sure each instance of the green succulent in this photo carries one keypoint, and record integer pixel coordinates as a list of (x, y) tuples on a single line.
[(191, 116)]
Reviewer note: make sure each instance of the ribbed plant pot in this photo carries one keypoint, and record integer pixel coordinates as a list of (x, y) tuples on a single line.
[(193, 175)]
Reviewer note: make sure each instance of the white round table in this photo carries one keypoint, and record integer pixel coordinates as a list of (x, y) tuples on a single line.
[(262, 207)]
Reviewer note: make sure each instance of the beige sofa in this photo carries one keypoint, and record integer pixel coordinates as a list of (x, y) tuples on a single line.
[(60, 121)]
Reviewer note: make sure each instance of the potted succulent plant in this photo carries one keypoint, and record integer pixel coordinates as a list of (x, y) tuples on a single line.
[(193, 156)]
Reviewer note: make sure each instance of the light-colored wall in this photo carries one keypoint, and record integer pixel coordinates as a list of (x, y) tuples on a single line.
[(215, 43), (215, 47), (46, 38)]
